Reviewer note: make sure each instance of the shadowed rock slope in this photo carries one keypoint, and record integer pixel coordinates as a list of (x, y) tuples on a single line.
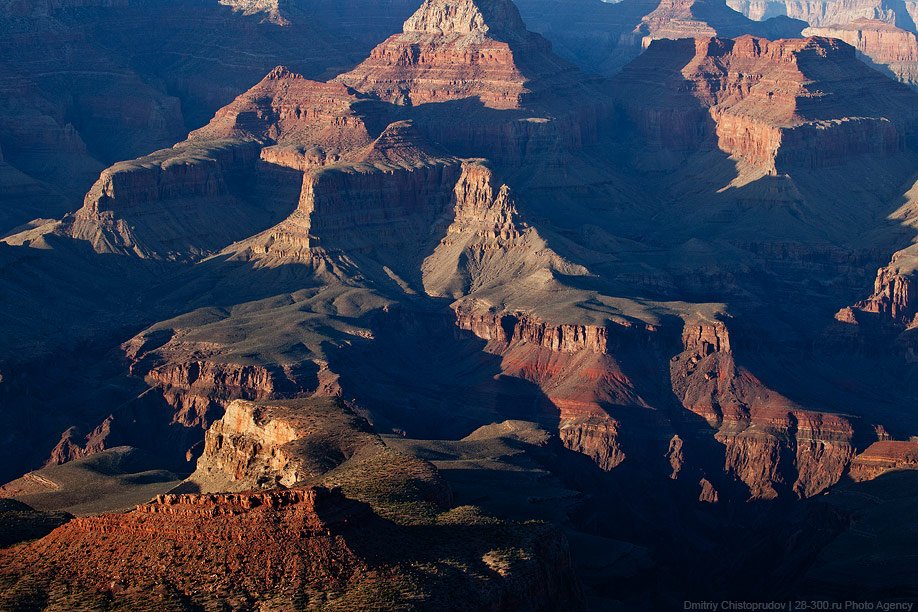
[(465, 251)]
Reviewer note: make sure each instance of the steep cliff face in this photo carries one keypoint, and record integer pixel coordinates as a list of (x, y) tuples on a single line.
[(198, 391), (577, 367), (772, 105), (883, 44), (390, 205), (384, 201), (884, 456), (894, 296), (87, 83), (286, 548), (197, 383), (180, 203), (241, 171), (288, 542), (262, 445), (771, 445), (674, 19), (457, 49), (828, 13), (451, 58), (893, 299)]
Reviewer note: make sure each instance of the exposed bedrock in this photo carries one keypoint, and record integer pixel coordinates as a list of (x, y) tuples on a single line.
[(890, 49), (884, 456), (261, 445), (773, 105), (487, 241), (451, 50), (771, 444), (579, 369), (198, 391), (383, 204), (895, 296), (184, 203), (828, 13)]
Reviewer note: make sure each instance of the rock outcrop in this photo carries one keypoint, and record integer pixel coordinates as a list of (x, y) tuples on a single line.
[(578, 369), (891, 49), (894, 297), (487, 244), (292, 540), (674, 19), (262, 445), (176, 204), (770, 105), (771, 444), (288, 546), (518, 100), (286, 109), (884, 456), (826, 13), (458, 49)]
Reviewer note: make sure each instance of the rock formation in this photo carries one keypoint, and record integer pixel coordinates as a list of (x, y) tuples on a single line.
[(74, 104), (263, 445), (884, 456), (486, 244), (820, 13), (458, 49), (166, 538), (889, 48), (674, 19), (458, 286), (773, 120), (289, 546), (768, 440)]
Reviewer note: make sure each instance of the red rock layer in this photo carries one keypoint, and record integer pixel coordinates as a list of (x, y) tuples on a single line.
[(771, 104), (894, 295), (457, 49), (884, 456), (770, 444), (199, 390), (287, 109), (884, 44), (212, 546), (576, 368)]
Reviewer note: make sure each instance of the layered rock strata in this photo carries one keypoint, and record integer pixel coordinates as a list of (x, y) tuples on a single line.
[(770, 105), (770, 444), (458, 49), (884, 456), (889, 48), (265, 445)]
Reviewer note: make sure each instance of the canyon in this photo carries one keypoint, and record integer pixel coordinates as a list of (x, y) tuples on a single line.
[(428, 307)]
